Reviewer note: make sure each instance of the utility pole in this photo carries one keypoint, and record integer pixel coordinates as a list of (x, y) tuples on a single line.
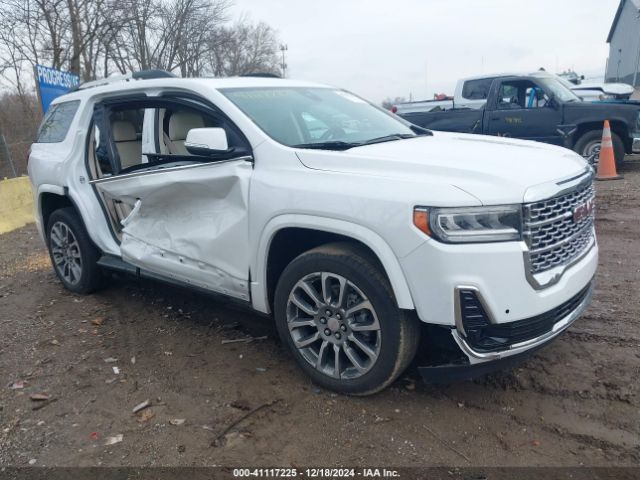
[(635, 73), (283, 65)]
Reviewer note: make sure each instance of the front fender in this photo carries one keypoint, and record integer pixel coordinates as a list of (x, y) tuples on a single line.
[(259, 291)]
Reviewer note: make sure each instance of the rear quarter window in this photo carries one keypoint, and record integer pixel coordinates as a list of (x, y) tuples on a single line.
[(476, 89), (57, 121)]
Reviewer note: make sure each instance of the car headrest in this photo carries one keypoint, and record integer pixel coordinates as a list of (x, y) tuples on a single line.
[(123, 131), (181, 122)]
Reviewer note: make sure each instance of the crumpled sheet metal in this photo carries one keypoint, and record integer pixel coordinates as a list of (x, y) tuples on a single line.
[(191, 225)]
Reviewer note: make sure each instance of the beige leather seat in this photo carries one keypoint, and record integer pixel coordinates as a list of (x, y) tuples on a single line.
[(127, 143), (179, 125)]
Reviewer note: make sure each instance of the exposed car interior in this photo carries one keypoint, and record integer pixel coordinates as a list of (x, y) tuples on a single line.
[(122, 142), (128, 143), (177, 126), (521, 95)]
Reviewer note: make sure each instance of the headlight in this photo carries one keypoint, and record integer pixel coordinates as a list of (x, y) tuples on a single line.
[(470, 224), (606, 96)]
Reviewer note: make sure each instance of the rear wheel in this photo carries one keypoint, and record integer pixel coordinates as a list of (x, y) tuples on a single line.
[(589, 144), (73, 254), (336, 313)]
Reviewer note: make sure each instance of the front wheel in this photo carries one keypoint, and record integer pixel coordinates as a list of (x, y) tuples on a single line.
[(336, 313), (589, 144), (73, 254)]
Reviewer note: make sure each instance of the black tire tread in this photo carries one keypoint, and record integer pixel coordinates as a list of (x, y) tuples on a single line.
[(360, 259), (93, 277), (589, 135)]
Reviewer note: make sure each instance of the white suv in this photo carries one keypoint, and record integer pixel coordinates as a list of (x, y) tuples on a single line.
[(351, 227)]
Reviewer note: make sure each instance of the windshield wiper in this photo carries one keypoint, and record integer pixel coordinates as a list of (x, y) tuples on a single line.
[(329, 145), (342, 145), (388, 138)]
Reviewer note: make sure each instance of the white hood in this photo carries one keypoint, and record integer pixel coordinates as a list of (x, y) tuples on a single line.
[(610, 88), (494, 170)]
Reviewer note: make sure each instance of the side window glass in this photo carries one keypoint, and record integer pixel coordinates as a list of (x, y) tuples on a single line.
[(536, 98), (477, 89), (508, 97), (175, 123), (57, 121)]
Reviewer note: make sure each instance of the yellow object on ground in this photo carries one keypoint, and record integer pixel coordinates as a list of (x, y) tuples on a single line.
[(16, 203)]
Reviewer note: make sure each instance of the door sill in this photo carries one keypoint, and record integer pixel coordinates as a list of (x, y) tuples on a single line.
[(114, 263)]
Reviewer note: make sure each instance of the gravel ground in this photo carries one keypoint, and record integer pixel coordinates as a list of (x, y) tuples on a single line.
[(237, 404)]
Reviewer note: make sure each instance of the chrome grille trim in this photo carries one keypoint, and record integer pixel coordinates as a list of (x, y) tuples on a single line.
[(554, 240)]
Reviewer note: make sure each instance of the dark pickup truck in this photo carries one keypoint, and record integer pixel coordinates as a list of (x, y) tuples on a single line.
[(539, 107)]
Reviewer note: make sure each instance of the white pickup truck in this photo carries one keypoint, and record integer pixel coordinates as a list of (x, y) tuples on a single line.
[(472, 92), (593, 90), (353, 229)]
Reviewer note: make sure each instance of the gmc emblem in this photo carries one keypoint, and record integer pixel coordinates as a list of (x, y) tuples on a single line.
[(584, 210)]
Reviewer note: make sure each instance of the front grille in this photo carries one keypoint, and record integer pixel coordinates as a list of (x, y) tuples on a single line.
[(553, 236), (484, 336)]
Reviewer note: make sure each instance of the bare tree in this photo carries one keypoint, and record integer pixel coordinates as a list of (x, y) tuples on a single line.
[(19, 118), (91, 22), (95, 37), (390, 102), (242, 48), (135, 44), (172, 36)]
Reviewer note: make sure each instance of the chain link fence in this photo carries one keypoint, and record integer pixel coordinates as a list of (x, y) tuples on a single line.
[(7, 165)]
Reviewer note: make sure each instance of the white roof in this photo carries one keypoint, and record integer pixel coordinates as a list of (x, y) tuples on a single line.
[(120, 84), (537, 73)]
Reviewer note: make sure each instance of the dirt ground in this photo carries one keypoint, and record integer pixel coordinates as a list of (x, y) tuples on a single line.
[(575, 403)]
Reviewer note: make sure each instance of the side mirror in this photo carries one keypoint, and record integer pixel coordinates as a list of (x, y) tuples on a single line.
[(206, 141)]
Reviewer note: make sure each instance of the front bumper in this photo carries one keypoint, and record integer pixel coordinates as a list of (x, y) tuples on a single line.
[(483, 362), (435, 270), (635, 145), (479, 356), (452, 373), (437, 273)]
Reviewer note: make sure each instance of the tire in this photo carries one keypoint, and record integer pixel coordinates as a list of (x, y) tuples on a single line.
[(346, 331), (590, 142), (73, 255)]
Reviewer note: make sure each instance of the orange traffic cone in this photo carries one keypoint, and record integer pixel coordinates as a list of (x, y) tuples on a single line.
[(607, 162)]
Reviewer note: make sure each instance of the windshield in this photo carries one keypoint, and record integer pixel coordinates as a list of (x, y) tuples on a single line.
[(316, 117), (559, 90)]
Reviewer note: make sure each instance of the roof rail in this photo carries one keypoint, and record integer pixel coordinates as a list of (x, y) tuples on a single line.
[(141, 75), (150, 74), (261, 75)]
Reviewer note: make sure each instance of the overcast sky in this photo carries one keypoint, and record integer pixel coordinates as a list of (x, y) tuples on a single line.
[(388, 48)]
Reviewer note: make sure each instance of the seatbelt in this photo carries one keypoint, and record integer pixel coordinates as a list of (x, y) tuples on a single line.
[(169, 144)]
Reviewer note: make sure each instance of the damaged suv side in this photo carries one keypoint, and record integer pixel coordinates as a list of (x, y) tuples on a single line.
[(304, 202)]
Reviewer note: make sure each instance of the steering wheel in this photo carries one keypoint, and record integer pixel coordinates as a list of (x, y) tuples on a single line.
[(332, 133)]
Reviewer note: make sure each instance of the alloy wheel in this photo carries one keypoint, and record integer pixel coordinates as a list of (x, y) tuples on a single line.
[(333, 325), (592, 148), (65, 251)]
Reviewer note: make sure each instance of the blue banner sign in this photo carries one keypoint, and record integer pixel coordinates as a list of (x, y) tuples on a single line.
[(52, 83)]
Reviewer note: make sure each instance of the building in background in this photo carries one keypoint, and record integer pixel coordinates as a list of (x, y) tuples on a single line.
[(624, 44)]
